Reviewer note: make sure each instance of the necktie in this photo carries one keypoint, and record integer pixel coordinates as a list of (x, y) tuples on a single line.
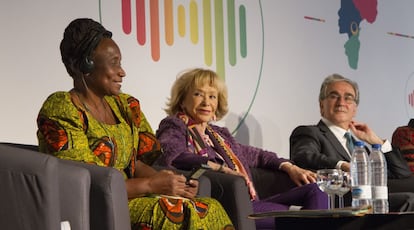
[(349, 142)]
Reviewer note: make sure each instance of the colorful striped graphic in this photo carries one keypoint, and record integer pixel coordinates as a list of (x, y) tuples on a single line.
[(243, 32), (411, 99), (208, 36), (409, 96), (219, 30), (400, 35), (141, 32), (231, 25), (126, 16), (197, 18), (193, 22), (168, 21), (314, 19), (155, 30), (181, 20)]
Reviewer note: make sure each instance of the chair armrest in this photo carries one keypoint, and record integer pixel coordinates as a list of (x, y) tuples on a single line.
[(74, 189), (108, 199), (231, 191), (268, 183), (401, 185)]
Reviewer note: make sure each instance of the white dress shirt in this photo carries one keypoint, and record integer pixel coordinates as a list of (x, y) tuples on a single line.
[(340, 135)]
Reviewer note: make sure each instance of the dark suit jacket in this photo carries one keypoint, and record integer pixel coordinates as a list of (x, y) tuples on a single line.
[(316, 147)]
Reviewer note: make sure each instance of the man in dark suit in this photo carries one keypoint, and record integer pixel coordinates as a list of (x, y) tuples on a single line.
[(325, 145)]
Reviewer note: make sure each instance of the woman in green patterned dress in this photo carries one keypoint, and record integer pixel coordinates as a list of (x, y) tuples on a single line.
[(95, 123)]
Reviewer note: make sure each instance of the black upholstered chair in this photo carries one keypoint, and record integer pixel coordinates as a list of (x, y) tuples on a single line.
[(85, 195), (41, 191)]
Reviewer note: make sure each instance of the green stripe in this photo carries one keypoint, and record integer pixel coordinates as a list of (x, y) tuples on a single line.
[(243, 36), (231, 32)]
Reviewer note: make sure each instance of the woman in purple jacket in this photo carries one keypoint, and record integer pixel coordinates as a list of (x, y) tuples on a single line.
[(189, 139)]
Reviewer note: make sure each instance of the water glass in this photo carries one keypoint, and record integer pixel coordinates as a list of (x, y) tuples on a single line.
[(344, 189), (329, 181)]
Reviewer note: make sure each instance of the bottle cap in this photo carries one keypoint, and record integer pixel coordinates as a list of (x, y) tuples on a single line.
[(376, 146), (359, 143)]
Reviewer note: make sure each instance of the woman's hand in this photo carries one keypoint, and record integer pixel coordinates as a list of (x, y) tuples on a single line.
[(168, 183), (147, 180), (228, 170), (221, 168), (191, 189), (299, 175)]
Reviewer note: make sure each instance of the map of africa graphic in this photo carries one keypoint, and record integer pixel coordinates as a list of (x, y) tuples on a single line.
[(351, 14)]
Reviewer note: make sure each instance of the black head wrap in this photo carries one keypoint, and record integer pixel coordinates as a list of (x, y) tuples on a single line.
[(80, 39)]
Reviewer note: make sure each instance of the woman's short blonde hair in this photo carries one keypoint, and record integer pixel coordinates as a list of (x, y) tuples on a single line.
[(195, 78)]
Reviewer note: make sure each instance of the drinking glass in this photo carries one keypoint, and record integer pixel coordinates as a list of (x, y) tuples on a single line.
[(345, 188), (329, 181)]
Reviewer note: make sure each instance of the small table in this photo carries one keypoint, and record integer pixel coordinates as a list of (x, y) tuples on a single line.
[(343, 219)]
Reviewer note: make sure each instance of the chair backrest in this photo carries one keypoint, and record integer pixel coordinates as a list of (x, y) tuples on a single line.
[(28, 193), (72, 185)]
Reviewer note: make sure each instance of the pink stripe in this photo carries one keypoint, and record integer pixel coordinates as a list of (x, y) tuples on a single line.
[(412, 99), (140, 7), (126, 16)]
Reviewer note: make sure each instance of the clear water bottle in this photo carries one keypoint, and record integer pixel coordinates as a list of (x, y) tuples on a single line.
[(360, 176), (379, 180)]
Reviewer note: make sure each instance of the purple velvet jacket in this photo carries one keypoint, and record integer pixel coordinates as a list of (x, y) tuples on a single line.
[(173, 136)]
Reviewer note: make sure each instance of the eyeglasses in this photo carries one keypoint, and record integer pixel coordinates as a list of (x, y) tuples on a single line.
[(348, 98)]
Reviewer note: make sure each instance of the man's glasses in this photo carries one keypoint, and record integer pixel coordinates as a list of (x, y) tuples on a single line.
[(348, 98)]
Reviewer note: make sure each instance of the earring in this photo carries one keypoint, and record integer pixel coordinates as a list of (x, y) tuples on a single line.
[(214, 118)]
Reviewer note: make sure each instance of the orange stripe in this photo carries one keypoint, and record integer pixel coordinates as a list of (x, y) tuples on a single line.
[(169, 26), (155, 30)]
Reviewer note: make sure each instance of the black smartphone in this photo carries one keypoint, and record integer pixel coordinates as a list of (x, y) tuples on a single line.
[(197, 172)]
